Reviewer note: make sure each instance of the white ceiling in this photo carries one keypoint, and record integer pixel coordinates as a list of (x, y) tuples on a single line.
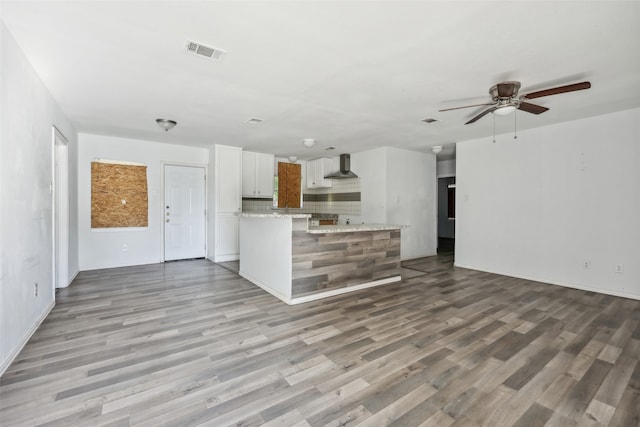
[(353, 75)]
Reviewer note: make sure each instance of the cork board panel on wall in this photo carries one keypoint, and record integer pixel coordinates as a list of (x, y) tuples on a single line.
[(118, 195)]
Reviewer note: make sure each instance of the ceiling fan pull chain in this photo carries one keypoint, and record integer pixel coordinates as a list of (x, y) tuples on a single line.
[(515, 125)]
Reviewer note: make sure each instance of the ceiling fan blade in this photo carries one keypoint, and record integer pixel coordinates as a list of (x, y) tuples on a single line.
[(557, 90), (481, 115), (532, 108), (508, 89), (466, 106)]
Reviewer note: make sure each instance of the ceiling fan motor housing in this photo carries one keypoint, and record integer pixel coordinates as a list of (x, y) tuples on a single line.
[(504, 90)]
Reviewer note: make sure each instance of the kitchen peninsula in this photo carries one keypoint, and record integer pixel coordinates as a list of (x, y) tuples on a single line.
[(298, 263)]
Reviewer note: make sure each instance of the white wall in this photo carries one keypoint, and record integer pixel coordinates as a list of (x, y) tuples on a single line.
[(371, 167), (265, 253), (399, 187), (28, 113), (446, 168), (541, 206), (103, 248), (412, 199)]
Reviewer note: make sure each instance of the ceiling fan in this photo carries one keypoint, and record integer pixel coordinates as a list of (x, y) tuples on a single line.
[(505, 99)]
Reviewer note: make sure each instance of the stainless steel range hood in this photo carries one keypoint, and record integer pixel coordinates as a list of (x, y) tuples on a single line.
[(345, 169)]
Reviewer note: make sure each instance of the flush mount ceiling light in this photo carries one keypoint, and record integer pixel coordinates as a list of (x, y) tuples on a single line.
[(166, 124), (436, 149), (309, 142), (293, 159)]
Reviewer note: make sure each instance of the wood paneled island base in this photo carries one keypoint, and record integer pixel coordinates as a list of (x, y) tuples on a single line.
[(298, 263)]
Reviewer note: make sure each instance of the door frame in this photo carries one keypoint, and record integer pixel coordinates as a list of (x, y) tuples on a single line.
[(206, 202), (60, 208)]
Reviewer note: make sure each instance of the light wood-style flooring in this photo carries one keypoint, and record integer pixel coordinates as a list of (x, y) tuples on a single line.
[(192, 343)]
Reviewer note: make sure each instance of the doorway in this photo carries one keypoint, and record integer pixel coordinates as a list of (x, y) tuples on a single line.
[(60, 191), (184, 212), (446, 215)]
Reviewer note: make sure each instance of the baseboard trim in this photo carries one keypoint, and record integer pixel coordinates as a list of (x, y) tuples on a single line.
[(556, 283), (420, 256), (308, 298), (225, 258), (104, 267), (18, 348), (340, 291), (71, 279), (280, 296)]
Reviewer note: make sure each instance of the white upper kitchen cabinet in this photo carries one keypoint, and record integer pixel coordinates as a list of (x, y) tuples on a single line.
[(257, 175), (316, 171)]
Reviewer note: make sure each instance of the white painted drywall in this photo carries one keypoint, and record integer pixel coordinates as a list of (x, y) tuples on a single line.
[(102, 248), (26, 229), (446, 168), (399, 187), (412, 199), (540, 206), (371, 167), (265, 253)]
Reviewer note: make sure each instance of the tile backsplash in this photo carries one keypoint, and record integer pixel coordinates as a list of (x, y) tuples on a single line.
[(341, 199), (257, 205)]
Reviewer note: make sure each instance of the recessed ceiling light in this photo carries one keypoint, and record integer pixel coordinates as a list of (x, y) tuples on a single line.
[(429, 120), (254, 120)]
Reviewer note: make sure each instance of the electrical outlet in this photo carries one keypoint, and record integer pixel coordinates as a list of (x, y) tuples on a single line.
[(125, 247), (586, 264), (35, 289), (619, 268)]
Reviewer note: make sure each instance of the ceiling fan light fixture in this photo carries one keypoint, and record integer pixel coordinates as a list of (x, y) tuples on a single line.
[(166, 124), (505, 110)]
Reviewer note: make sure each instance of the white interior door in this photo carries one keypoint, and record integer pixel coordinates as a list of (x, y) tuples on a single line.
[(184, 212)]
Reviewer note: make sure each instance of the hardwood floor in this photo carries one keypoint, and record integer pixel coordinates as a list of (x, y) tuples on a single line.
[(191, 343)]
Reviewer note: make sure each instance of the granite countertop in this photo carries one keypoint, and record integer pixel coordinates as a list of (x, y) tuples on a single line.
[(273, 215), (321, 229), (350, 228)]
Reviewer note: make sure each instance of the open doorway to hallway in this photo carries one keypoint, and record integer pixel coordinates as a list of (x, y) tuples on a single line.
[(446, 215)]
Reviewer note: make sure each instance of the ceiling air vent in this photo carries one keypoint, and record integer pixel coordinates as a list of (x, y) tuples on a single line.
[(204, 51)]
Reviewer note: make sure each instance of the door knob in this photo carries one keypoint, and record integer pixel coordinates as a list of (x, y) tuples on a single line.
[(167, 220)]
